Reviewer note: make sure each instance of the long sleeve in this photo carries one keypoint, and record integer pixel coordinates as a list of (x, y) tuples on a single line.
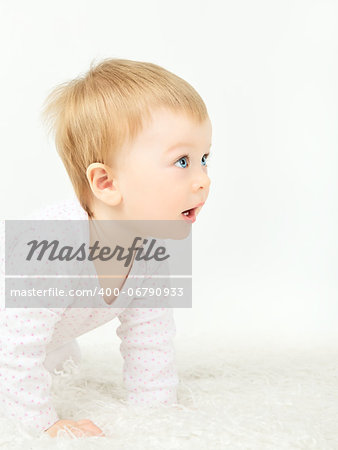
[(25, 383), (149, 371)]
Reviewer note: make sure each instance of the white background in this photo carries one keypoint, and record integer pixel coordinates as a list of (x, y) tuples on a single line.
[(265, 243)]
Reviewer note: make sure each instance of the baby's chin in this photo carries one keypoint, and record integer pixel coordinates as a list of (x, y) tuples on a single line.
[(162, 226), (156, 215)]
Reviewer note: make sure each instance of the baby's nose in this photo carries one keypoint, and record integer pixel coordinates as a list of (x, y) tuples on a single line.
[(203, 182)]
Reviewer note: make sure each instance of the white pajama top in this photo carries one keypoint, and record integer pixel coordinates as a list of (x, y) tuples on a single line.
[(28, 334)]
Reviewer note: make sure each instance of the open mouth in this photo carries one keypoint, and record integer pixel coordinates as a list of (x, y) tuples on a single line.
[(189, 215)]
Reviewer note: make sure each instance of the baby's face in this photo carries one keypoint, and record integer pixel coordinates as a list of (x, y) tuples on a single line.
[(164, 172)]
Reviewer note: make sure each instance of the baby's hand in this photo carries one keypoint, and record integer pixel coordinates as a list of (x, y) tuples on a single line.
[(80, 428)]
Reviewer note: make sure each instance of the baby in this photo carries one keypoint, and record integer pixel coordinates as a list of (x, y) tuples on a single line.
[(134, 139)]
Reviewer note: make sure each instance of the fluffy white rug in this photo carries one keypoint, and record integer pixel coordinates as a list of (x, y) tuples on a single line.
[(231, 396)]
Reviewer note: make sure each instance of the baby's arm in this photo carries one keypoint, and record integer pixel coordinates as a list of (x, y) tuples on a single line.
[(149, 372), (25, 383)]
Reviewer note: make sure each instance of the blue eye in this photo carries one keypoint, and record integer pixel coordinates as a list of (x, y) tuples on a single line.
[(186, 157), (205, 160), (182, 159)]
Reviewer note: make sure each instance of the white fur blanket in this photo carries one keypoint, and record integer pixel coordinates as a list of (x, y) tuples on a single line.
[(232, 396)]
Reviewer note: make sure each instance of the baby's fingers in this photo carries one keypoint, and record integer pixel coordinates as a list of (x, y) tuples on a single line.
[(89, 428)]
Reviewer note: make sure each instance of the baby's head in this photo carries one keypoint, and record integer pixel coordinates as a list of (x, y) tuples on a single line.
[(134, 139)]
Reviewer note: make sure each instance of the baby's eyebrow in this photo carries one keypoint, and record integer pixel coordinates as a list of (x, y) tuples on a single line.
[(180, 144)]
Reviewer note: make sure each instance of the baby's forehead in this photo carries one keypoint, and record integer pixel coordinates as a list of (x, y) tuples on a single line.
[(165, 132), (175, 128)]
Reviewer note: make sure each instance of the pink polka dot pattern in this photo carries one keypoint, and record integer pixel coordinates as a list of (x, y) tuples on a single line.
[(27, 335)]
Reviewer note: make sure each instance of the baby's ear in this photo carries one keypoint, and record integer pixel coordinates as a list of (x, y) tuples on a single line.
[(98, 176), (102, 183)]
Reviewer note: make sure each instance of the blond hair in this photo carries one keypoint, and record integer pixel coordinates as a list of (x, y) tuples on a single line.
[(94, 115)]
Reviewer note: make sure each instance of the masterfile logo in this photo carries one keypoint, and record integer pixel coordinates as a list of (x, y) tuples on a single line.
[(58, 263)]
